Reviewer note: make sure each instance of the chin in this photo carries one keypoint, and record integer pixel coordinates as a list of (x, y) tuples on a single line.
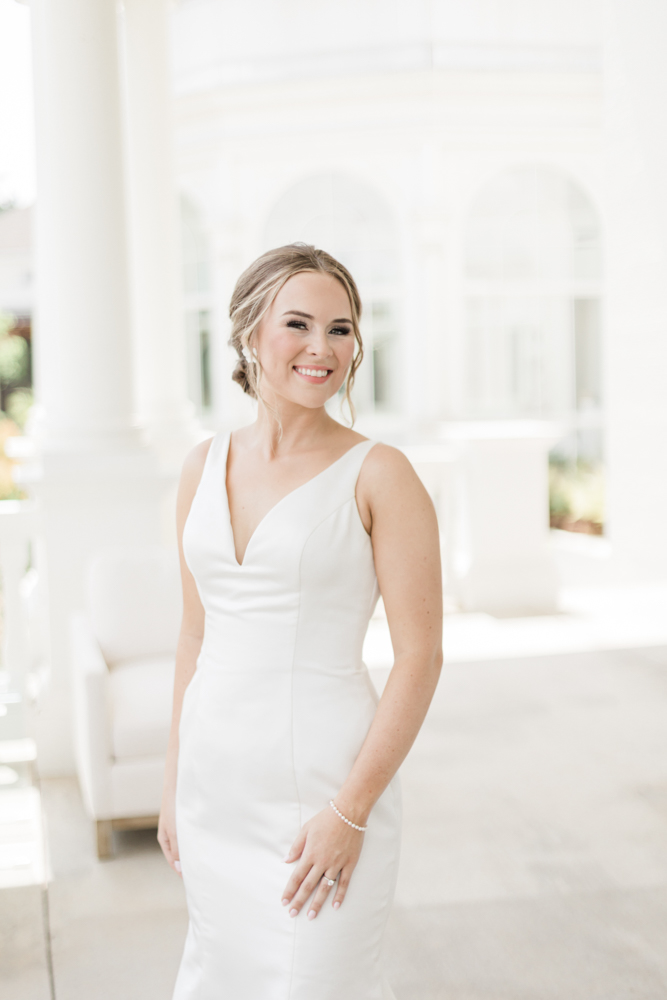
[(310, 400), (310, 403)]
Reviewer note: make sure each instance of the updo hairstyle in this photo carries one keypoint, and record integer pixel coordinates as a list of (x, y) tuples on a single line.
[(257, 288)]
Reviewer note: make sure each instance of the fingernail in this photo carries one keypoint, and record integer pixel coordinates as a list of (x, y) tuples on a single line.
[(285, 902), (286, 859), (312, 914), (336, 905), (177, 866), (293, 913)]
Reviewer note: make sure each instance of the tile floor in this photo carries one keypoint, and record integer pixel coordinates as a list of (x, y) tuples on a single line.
[(534, 859)]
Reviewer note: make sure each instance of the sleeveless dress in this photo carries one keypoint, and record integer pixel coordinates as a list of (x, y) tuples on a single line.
[(272, 722)]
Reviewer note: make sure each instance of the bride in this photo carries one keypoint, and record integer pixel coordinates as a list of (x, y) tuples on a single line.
[(281, 805)]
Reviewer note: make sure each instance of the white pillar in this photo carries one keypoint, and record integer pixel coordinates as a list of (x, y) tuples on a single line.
[(423, 362), (99, 486), (83, 347), (160, 349), (636, 286), (639, 28), (430, 348)]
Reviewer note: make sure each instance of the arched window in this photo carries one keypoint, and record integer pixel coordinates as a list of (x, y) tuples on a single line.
[(533, 281), (197, 294), (349, 220)]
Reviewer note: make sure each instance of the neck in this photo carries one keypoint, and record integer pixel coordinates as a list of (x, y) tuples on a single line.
[(286, 427)]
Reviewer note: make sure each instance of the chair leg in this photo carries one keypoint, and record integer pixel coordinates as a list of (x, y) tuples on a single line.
[(104, 831)]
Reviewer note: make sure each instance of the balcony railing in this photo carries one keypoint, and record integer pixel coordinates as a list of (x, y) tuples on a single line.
[(24, 650)]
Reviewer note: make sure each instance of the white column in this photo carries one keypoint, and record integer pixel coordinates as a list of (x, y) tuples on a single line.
[(424, 316), (636, 286), (164, 407), (83, 346), (430, 349), (99, 486)]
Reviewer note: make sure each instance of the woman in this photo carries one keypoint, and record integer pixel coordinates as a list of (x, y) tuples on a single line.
[(289, 530)]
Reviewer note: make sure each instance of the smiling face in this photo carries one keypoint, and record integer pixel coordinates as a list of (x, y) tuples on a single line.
[(305, 342)]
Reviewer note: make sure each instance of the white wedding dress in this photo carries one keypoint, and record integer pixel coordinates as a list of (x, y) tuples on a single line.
[(272, 722)]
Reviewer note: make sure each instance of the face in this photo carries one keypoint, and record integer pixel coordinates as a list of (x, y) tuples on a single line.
[(306, 342)]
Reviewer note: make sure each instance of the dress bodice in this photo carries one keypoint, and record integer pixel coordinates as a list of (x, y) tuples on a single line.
[(307, 586)]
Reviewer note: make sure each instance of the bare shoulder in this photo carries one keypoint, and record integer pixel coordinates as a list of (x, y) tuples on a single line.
[(384, 462), (389, 488), (386, 469)]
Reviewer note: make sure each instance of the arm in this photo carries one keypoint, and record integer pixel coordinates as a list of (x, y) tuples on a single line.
[(406, 548), (187, 651)]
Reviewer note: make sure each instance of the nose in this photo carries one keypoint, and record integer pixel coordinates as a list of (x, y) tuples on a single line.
[(318, 344)]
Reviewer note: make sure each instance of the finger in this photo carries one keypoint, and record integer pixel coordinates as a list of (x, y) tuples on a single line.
[(163, 841), (324, 888), (296, 850), (306, 890), (295, 881), (169, 844), (343, 883)]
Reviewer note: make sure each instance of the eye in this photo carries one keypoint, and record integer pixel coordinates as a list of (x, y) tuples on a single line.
[(296, 324), (340, 331)]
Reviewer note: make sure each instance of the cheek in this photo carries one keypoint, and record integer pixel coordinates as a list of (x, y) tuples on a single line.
[(279, 351), (345, 353)]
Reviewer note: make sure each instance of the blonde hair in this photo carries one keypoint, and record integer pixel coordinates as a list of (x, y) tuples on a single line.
[(254, 293)]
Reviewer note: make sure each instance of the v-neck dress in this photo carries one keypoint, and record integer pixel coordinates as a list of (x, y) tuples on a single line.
[(272, 722)]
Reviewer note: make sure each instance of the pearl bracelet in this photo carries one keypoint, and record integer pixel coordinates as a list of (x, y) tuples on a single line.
[(361, 829)]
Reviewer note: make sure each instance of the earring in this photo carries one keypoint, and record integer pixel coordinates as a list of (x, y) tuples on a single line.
[(246, 354)]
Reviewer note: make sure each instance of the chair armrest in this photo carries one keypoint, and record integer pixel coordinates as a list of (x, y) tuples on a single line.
[(92, 736)]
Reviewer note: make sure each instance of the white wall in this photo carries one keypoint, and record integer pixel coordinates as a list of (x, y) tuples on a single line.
[(425, 139), (228, 41)]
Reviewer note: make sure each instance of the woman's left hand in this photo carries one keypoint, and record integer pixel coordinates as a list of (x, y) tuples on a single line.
[(325, 847)]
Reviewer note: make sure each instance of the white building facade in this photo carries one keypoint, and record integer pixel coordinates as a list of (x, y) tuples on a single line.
[(479, 166), (451, 155)]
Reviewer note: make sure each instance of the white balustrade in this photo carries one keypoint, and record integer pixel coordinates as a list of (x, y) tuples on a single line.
[(24, 666)]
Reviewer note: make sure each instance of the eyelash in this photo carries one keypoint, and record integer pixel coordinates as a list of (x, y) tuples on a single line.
[(341, 331)]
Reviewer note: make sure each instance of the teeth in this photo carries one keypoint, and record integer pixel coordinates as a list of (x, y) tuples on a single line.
[(316, 372)]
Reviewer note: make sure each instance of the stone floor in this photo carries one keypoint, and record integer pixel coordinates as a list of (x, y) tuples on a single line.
[(534, 858)]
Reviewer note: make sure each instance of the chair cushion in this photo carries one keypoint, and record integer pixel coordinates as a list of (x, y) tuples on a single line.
[(134, 601), (141, 692)]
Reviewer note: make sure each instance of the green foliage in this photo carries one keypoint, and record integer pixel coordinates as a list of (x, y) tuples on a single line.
[(17, 406), (7, 322), (576, 492), (13, 359), (14, 353)]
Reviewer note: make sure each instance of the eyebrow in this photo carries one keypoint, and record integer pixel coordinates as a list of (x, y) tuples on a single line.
[(297, 312)]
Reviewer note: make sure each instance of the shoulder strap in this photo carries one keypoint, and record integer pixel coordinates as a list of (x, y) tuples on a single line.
[(349, 466), (213, 473)]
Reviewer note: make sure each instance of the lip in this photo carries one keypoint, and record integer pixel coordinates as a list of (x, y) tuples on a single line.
[(314, 379)]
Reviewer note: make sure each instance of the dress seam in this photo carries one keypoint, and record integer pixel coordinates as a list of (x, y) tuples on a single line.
[(296, 781), (296, 636)]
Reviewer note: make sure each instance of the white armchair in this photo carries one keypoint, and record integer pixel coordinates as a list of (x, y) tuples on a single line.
[(123, 652)]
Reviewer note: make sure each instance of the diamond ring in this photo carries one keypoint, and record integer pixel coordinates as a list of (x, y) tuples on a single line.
[(329, 881)]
